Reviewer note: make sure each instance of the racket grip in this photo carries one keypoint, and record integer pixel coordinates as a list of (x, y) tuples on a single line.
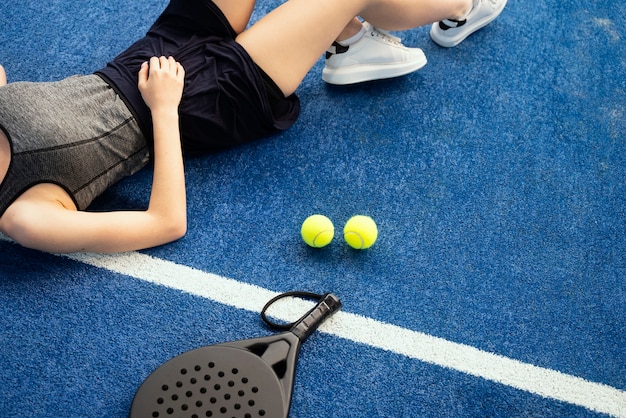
[(326, 307)]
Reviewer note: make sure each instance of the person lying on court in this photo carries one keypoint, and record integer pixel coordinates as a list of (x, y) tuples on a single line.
[(200, 80)]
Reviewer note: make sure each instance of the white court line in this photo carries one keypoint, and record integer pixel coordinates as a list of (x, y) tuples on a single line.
[(527, 377)]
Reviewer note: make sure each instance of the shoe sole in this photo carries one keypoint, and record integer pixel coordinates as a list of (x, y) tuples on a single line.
[(371, 72), (449, 43)]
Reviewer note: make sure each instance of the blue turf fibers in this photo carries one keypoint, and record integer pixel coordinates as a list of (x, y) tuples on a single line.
[(495, 174)]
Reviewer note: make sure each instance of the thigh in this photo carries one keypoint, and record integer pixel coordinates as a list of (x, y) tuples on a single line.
[(224, 18), (289, 40), (237, 12)]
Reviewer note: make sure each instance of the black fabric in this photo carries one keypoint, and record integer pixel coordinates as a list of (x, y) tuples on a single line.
[(225, 100)]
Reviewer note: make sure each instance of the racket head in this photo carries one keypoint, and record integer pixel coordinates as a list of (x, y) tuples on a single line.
[(245, 378), (213, 381)]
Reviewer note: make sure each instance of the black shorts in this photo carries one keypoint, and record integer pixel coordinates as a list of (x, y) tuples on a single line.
[(227, 99)]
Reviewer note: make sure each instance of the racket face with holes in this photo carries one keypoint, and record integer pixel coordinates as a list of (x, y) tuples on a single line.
[(213, 381)]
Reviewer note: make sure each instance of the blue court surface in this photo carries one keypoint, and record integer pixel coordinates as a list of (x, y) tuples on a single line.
[(496, 174)]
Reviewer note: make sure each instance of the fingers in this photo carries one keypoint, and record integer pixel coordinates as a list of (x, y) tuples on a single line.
[(143, 73), (165, 63), (161, 82), (180, 70), (162, 65)]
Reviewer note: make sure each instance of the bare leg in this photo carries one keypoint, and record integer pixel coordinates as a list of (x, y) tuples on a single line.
[(237, 12), (288, 41), (351, 29), (3, 76)]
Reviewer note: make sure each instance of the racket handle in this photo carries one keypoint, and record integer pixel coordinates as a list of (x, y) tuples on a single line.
[(326, 307)]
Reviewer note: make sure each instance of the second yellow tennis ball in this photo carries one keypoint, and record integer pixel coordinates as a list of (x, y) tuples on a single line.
[(360, 232), (317, 231)]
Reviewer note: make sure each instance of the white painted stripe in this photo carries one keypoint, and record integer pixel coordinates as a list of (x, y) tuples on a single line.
[(537, 380), (540, 381)]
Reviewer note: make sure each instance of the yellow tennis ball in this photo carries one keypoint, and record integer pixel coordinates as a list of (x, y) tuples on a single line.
[(360, 232), (317, 231)]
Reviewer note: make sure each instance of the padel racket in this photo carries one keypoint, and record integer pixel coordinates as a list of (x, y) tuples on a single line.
[(246, 378)]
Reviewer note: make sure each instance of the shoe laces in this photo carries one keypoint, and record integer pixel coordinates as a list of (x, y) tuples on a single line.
[(383, 34)]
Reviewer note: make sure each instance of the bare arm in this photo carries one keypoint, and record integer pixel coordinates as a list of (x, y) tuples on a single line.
[(3, 76), (161, 85), (45, 218)]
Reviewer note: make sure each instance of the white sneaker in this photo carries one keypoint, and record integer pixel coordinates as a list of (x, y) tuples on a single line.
[(450, 32), (375, 56)]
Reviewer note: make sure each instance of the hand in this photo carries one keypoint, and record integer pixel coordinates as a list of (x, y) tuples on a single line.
[(161, 83)]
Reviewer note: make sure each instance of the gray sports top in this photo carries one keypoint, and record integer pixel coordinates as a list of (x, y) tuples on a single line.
[(76, 133)]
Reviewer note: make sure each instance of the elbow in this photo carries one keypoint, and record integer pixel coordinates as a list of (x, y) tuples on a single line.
[(179, 231), (176, 227), (167, 225), (168, 218)]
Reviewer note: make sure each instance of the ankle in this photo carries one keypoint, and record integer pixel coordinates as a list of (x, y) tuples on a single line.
[(464, 10), (351, 33)]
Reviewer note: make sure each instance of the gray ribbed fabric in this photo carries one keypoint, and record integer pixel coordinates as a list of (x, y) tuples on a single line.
[(76, 133)]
